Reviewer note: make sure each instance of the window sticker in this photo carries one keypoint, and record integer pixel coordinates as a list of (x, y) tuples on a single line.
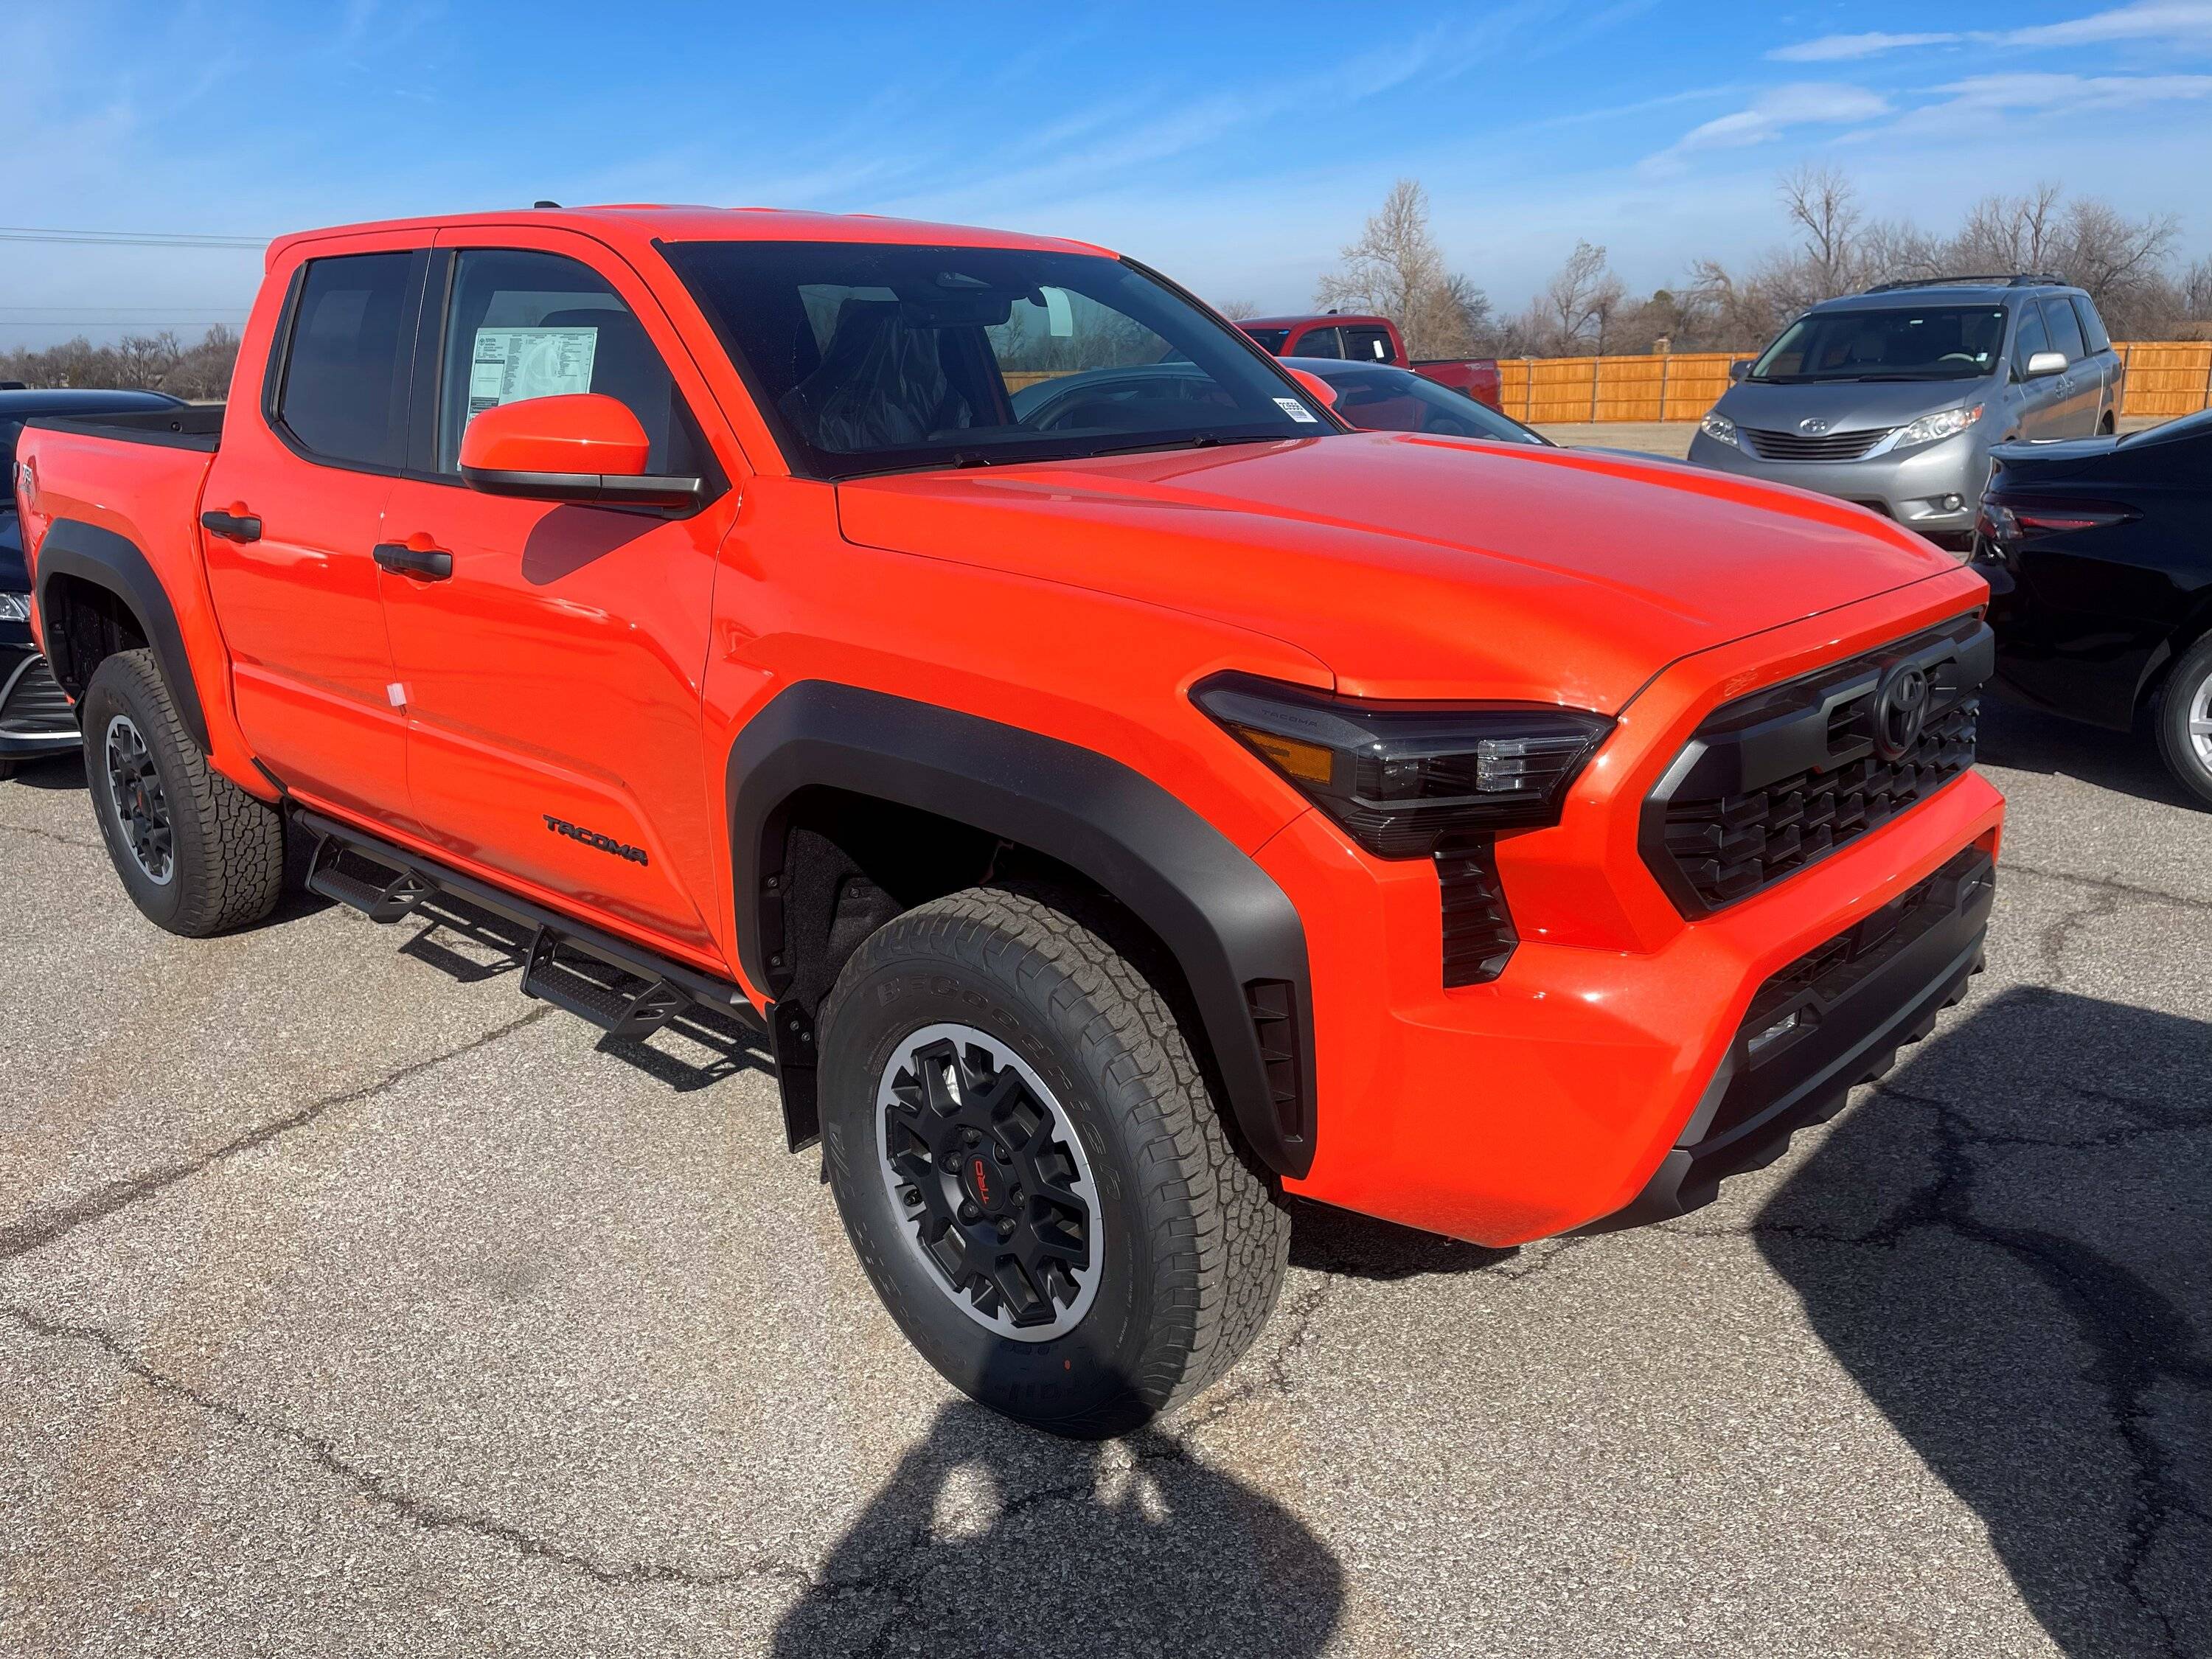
[(1297, 412), (511, 364)]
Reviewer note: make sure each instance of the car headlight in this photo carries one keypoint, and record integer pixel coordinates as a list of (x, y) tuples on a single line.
[(14, 607), (1948, 424), (1718, 428), (1406, 778)]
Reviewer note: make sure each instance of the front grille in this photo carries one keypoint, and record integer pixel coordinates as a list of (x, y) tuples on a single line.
[(31, 703), (1806, 446), (1479, 934), (1777, 780)]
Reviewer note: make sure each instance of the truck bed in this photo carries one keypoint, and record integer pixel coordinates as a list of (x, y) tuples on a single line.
[(196, 426)]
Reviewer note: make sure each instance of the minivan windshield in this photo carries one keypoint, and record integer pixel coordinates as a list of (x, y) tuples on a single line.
[(1899, 343), (877, 357)]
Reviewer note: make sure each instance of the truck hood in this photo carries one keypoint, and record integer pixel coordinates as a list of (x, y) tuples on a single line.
[(1849, 405), (1412, 566)]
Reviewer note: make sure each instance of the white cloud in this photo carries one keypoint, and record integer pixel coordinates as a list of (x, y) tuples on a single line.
[(2175, 22), (1834, 48), (1773, 112), (1984, 94)]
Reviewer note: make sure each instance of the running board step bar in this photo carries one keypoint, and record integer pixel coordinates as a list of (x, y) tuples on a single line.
[(626, 1016), (552, 972), (396, 898)]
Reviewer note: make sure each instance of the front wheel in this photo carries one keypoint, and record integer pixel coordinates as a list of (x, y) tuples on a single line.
[(1033, 1173), (2185, 721)]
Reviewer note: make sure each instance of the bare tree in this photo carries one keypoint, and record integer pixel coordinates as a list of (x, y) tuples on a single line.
[(1576, 308), (1395, 269), (1237, 310), (1824, 206), (135, 362)]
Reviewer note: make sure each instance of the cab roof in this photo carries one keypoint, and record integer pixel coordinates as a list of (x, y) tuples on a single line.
[(632, 224)]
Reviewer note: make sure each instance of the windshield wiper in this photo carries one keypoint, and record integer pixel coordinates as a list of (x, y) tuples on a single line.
[(1186, 440)]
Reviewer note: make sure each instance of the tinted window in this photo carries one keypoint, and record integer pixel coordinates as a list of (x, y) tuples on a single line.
[(1317, 342), (2032, 336), (535, 325), (1367, 345), (2093, 325), (867, 357), (344, 396), (1270, 339), (1381, 399), (2065, 332), (1935, 343)]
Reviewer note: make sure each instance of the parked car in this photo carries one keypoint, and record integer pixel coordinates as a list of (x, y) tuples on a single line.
[(2099, 554), (1112, 827), (1360, 339), (1893, 398), (36, 719)]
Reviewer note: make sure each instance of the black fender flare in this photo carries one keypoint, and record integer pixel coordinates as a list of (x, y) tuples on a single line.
[(1235, 934), (89, 554)]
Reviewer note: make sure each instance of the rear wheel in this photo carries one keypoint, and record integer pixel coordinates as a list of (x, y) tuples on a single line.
[(2185, 721), (197, 854), (1030, 1167)]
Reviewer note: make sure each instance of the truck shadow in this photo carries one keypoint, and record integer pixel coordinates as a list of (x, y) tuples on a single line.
[(2009, 1247), (993, 1539), (1325, 1239)]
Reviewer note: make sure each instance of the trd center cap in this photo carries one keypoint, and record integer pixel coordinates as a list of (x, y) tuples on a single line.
[(985, 1187)]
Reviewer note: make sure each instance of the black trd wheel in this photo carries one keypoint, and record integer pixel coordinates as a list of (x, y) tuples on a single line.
[(198, 853), (1029, 1162), (2185, 721)]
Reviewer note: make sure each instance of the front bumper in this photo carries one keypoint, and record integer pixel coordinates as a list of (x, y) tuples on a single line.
[(1911, 486), (35, 718), (1556, 1095)]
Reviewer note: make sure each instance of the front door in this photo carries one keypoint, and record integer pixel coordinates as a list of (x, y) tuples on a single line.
[(552, 680), (298, 490), (2082, 387), (2041, 407)]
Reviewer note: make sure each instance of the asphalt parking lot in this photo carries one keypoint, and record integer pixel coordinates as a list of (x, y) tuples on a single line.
[(351, 1303)]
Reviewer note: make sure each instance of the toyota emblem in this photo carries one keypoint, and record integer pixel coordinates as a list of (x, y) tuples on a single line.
[(1814, 427), (1900, 709)]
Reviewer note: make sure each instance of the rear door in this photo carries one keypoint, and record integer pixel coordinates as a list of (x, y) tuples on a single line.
[(552, 680), (312, 459), (2101, 353)]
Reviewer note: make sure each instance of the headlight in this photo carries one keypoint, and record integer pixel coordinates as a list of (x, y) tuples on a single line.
[(14, 607), (1718, 428), (1928, 428), (1405, 778)]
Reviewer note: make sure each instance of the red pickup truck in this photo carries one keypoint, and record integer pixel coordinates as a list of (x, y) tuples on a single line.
[(1373, 340), (1115, 816)]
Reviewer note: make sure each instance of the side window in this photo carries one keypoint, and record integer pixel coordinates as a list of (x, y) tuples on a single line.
[(2032, 337), (2065, 332), (2093, 325), (1367, 345), (1316, 342), (525, 325), (344, 394)]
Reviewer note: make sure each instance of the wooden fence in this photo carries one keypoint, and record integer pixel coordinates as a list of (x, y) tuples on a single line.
[(2164, 378)]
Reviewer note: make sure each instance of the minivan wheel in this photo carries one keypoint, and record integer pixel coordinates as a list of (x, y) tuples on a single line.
[(1030, 1167), (197, 854), (2185, 721)]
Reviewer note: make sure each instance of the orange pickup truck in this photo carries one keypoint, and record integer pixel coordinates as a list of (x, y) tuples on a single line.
[(1115, 820)]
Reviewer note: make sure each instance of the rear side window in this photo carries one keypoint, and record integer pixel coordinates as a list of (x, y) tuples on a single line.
[(344, 395), (1317, 342), (2032, 336), (2065, 332), (2093, 325), (1367, 345), (1270, 339), (525, 325)]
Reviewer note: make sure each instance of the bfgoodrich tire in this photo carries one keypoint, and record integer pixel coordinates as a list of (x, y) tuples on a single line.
[(2185, 721), (197, 854), (1033, 1173)]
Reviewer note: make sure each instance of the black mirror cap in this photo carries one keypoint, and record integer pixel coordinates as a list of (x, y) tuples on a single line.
[(1739, 368), (607, 488)]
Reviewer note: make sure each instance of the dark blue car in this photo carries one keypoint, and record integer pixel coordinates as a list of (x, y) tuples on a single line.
[(35, 719)]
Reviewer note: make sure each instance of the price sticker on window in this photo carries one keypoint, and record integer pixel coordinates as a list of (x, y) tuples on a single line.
[(1297, 412)]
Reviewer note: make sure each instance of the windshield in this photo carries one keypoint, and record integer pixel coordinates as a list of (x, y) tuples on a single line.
[(1937, 343), (1397, 400), (872, 357)]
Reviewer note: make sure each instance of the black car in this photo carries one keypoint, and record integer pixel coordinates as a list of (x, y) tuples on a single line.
[(2099, 554), (35, 719)]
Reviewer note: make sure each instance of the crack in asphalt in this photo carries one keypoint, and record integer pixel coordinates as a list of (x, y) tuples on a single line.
[(2106, 883), (49, 834), (43, 1227)]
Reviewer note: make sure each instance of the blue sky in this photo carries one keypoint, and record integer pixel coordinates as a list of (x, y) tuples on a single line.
[(1236, 146)]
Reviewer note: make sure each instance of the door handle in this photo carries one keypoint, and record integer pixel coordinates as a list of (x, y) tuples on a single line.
[(431, 564), (232, 526)]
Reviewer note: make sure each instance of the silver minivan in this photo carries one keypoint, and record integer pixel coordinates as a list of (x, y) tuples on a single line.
[(1894, 397)]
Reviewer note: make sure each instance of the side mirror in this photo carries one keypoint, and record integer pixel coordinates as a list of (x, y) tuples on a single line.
[(580, 447), (1321, 392), (2046, 362), (1739, 368)]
